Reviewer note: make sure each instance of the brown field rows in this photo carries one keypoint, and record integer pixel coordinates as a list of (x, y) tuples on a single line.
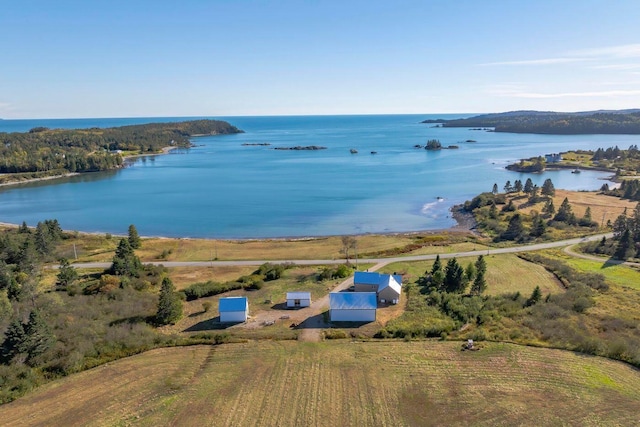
[(393, 383)]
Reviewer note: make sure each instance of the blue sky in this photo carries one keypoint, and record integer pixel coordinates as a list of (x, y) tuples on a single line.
[(223, 58)]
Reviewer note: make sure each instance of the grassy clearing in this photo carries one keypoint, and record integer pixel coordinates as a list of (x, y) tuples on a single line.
[(275, 249), (506, 273), (620, 275), (603, 208), (340, 383), (182, 277)]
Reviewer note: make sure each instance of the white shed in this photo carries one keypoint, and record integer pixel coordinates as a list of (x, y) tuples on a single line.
[(233, 309), (298, 299), (389, 290), (352, 306)]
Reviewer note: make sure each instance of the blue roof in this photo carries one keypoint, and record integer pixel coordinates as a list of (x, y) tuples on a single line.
[(233, 304), (352, 301), (373, 278)]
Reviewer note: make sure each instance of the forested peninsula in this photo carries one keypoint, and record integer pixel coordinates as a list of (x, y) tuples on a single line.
[(555, 123), (44, 152)]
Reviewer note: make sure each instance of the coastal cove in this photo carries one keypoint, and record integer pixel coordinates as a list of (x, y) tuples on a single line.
[(237, 186)]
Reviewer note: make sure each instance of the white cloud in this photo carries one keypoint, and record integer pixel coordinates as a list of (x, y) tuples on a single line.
[(546, 61), (582, 55)]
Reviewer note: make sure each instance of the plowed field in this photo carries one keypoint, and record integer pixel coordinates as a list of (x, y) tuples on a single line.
[(389, 383)]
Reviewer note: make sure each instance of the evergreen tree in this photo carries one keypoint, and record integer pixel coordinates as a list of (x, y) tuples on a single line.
[(564, 212), (548, 189), (479, 283), (437, 280), (535, 296), (528, 186), (493, 211), (470, 272), (27, 257), (66, 274), (13, 343), (437, 265), (508, 187), (626, 247), (169, 304), (539, 226), (134, 238), (24, 228), (548, 208), (619, 226), (38, 335), (495, 188), (514, 229), (125, 262), (534, 194), (454, 277), (586, 220), (517, 186)]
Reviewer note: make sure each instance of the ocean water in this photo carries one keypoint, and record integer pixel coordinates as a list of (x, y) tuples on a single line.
[(224, 189)]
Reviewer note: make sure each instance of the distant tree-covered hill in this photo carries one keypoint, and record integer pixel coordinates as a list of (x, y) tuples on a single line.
[(549, 122), (43, 151)]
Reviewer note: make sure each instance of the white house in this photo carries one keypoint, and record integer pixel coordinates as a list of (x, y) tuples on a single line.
[(298, 299), (388, 287), (233, 309), (352, 306)]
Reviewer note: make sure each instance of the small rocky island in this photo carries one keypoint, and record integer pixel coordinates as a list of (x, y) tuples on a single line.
[(434, 144), (308, 147), (253, 144)]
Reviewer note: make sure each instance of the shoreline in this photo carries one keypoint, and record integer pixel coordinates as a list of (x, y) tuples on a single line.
[(465, 224), (165, 150)]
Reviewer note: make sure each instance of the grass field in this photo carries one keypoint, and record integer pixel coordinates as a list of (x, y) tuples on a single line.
[(340, 383), (616, 274), (603, 208), (506, 273)]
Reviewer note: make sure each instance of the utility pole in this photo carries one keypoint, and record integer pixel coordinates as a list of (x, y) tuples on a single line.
[(355, 250)]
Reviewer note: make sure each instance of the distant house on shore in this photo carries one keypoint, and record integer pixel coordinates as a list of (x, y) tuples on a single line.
[(387, 287), (233, 309), (298, 299), (553, 158), (352, 306)]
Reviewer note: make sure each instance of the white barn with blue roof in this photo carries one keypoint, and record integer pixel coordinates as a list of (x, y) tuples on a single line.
[(352, 306), (387, 287), (233, 309)]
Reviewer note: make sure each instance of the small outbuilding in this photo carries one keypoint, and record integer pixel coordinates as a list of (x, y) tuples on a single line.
[(234, 309), (389, 290), (298, 299), (352, 306)]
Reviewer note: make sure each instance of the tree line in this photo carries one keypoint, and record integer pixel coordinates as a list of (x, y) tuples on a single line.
[(95, 149), (553, 123)]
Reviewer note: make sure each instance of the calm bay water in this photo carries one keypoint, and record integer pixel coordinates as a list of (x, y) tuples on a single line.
[(222, 189)]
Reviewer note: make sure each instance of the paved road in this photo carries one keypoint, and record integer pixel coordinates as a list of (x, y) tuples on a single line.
[(523, 248)]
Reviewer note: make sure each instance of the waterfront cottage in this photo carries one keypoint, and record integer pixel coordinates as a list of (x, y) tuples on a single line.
[(234, 309), (298, 299), (352, 306)]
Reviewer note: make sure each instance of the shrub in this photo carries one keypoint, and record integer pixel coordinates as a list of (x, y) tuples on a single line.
[(334, 334), (207, 289)]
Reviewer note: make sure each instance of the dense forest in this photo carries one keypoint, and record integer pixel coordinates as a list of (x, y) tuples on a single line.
[(43, 151), (594, 122)]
